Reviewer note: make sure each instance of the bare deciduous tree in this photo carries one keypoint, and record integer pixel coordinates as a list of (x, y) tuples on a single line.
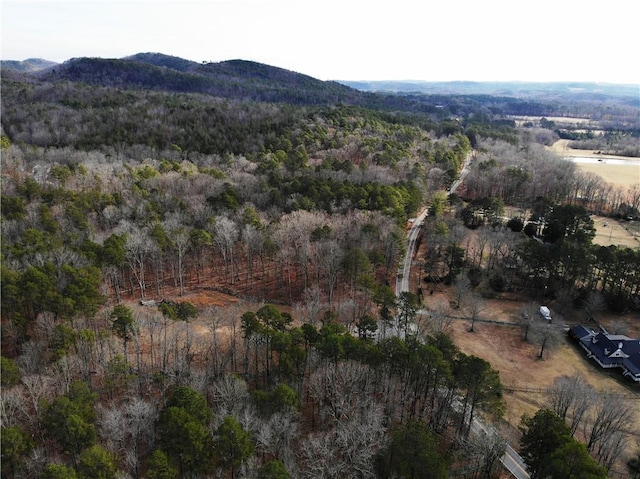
[(474, 305), (126, 428), (140, 418), (331, 255), (477, 248), (230, 394), (215, 347), (111, 426), (348, 449), (608, 424), (138, 248), (461, 288), (275, 435), (498, 245), (308, 310), (14, 407), (225, 234), (36, 388), (254, 243), (594, 305), (340, 389), (438, 317), (31, 357), (65, 370), (570, 397), (548, 336), (529, 315), (485, 451), (180, 243)]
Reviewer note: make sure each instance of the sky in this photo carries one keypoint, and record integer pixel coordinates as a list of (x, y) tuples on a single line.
[(430, 40)]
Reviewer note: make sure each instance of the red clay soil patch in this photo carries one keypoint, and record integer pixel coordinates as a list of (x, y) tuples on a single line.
[(213, 286), (204, 297)]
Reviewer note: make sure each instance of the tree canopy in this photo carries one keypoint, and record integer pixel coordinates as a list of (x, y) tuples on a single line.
[(549, 449)]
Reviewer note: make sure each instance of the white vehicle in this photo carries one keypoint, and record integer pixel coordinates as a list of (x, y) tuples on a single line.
[(546, 314)]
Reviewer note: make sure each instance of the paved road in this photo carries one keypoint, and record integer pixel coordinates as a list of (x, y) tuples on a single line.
[(402, 281), (514, 464), (511, 459)]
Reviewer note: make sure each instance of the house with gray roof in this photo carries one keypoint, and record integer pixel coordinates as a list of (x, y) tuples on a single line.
[(610, 350)]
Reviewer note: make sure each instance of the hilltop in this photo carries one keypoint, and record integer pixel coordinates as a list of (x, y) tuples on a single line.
[(230, 79), (28, 65), (252, 81)]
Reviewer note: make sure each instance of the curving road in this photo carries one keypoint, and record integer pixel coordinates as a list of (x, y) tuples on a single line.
[(511, 459), (404, 273)]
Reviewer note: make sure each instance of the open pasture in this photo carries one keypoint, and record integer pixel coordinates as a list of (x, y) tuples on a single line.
[(619, 175), (624, 175), (612, 232)]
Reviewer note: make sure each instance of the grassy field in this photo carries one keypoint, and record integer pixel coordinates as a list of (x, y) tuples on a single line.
[(612, 232), (608, 231), (525, 377), (619, 175)]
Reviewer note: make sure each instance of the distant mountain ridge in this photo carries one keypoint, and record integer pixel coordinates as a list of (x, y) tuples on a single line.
[(251, 81), (515, 89), (28, 65), (227, 77)]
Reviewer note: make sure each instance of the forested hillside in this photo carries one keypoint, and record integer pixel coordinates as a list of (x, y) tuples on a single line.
[(129, 184)]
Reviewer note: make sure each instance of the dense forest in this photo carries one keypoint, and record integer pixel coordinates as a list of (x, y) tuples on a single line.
[(129, 184)]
